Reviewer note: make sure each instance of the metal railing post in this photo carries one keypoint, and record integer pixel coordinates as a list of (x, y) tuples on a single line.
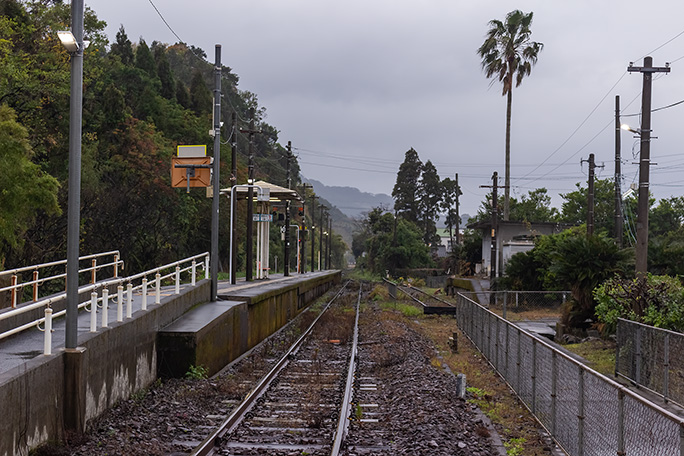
[(144, 294), (666, 368), (621, 424), (129, 300), (637, 357), (119, 304), (157, 287), (505, 298), (47, 346), (554, 390), (206, 267), (93, 312), (93, 272), (35, 285), (13, 283), (517, 361), (194, 270), (177, 279), (534, 376), (105, 307), (116, 265), (580, 413)]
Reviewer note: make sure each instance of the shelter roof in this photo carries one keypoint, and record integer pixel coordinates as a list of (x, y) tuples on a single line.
[(277, 193)]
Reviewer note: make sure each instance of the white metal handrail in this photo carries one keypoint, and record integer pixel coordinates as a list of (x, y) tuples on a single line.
[(17, 286), (102, 302)]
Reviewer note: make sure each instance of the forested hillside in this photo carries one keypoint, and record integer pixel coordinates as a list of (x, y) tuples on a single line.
[(140, 101)]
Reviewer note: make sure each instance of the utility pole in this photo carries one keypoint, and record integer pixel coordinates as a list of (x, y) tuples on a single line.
[(313, 229), (618, 176), (286, 270), (302, 270), (320, 240), (250, 195), (495, 222), (233, 181), (590, 194), (213, 267), (458, 217), (644, 162), (329, 243)]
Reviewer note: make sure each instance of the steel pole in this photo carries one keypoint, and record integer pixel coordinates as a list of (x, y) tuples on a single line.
[(213, 268), (74, 193)]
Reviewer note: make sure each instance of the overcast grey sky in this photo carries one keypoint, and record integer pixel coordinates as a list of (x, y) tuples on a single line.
[(355, 84)]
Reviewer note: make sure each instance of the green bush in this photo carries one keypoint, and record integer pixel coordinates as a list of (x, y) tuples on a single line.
[(658, 301)]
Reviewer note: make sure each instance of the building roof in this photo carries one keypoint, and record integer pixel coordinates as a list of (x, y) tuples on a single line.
[(277, 193), (487, 224)]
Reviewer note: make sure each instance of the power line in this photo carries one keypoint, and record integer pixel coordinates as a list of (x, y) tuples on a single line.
[(173, 31)]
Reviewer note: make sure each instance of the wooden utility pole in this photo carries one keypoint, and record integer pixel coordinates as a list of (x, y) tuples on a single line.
[(286, 270), (618, 176), (590, 194), (644, 162), (320, 240), (458, 217), (313, 229)]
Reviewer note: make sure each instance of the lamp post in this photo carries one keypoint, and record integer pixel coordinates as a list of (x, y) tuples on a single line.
[(73, 42)]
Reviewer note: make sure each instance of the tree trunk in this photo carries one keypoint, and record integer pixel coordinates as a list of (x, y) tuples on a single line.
[(507, 179)]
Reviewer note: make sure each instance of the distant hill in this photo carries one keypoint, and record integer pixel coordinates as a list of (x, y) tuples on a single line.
[(351, 201)]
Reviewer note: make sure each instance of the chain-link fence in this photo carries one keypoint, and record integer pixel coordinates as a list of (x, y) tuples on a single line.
[(644, 357), (522, 305), (585, 412)]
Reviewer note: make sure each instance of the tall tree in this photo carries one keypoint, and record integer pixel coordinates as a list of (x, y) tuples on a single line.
[(405, 191), (430, 194), (450, 193), (508, 54), (123, 47)]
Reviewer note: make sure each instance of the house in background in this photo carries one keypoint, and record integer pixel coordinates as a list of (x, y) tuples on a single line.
[(512, 238), (445, 247)]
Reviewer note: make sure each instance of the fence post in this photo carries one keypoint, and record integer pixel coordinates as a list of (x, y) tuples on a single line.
[(177, 279), (534, 376), (47, 346), (206, 267), (144, 293), (35, 285), (116, 265), (637, 358), (505, 297), (194, 268), (496, 345), (129, 300), (105, 307), (508, 374), (554, 390), (93, 312), (666, 368), (13, 282), (157, 286), (517, 297), (119, 304), (580, 413), (621, 424), (517, 361), (93, 271)]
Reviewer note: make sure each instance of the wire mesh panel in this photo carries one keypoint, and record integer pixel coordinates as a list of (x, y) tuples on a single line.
[(543, 384), (567, 411), (626, 349), (648, 432), (526, 370), (676, 377), (600, 416)]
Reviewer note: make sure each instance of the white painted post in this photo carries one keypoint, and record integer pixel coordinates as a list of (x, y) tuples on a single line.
[(105, 307), (119, 304), (47, 347), (194, 268), (14, 290), (116, 265), (144, 293), (93, 312), (129, 300), (157, 286), (206, 267), (177, 279)]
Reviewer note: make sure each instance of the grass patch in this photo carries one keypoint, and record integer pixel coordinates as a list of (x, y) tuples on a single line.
[(599, 353), (406, 309)]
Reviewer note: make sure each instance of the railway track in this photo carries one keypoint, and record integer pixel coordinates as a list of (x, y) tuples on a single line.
[(429, 302), (302, 405)]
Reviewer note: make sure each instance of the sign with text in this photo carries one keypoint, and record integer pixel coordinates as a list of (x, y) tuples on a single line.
[(262, 218)]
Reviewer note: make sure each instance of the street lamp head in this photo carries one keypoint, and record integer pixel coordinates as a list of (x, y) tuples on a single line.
[(68, 41), (628, 128)]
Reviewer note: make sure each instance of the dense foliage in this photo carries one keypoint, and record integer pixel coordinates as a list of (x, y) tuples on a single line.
[(139, 102)]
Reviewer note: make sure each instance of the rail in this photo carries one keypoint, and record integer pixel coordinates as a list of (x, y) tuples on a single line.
[(17, 285), (584, 411), (209, 445), (96, 302)]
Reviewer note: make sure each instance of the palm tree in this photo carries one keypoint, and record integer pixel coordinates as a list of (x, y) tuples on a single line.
[(508, 53)]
